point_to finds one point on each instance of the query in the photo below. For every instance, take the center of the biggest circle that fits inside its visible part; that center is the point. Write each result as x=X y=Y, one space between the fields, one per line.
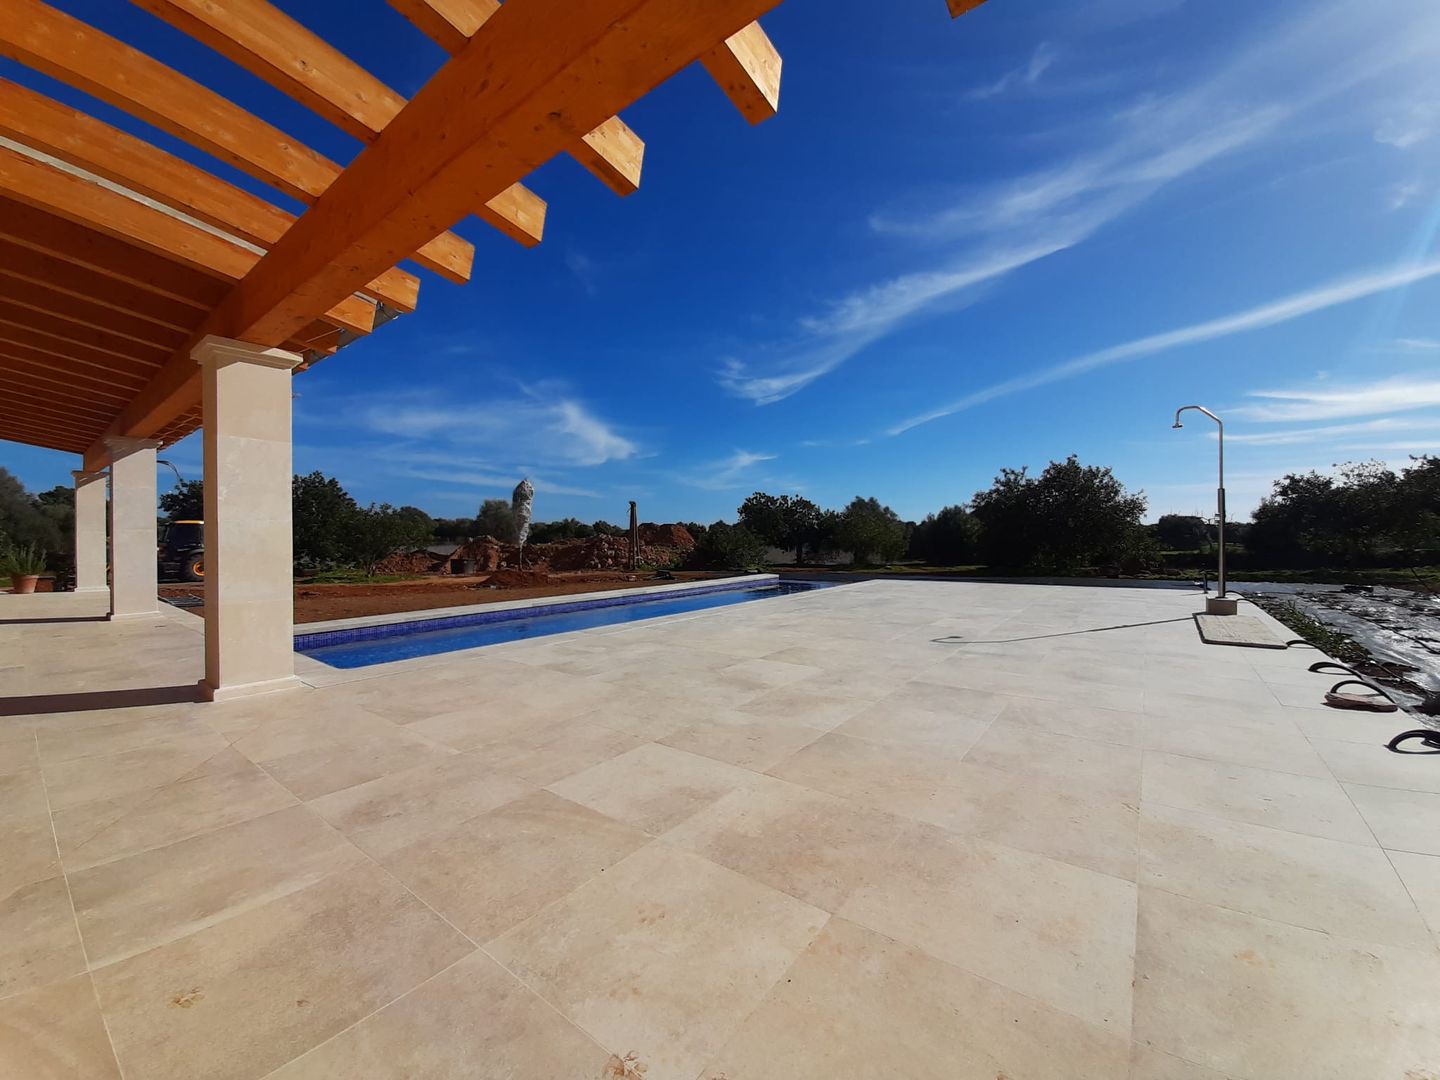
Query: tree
x=184 y=502
x=727 y=547
x=454 y=530
x=790 y=522
x=496 y=520
x=321 y=512
x=950 y=537
x=375 y=532
x=866 y=529
x=548 y=532
x=24 y=521
x=1182 y=532
x=1070 y=516
x=604 y=528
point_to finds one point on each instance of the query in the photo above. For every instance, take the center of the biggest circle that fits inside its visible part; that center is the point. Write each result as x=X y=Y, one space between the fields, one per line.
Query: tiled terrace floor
x=800 y=838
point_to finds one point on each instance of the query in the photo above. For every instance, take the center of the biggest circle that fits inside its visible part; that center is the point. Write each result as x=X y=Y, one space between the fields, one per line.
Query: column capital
x=80 y=476
x=219 y=352
x=123 y=447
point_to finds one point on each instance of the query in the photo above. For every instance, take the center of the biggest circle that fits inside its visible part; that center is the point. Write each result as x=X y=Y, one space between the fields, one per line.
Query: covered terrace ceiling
x=116 y=256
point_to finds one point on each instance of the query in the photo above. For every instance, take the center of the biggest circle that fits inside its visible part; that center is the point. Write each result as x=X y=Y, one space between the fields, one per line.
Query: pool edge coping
x=425 y=614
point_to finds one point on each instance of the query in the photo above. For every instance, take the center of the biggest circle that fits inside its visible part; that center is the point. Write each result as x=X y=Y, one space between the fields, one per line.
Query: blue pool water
x=402 y=641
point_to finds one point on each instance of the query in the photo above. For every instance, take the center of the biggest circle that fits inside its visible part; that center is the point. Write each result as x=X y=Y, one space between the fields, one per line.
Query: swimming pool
x=366 y=645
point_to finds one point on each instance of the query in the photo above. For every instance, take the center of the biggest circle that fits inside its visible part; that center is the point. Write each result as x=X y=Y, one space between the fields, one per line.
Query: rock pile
x=660 y=546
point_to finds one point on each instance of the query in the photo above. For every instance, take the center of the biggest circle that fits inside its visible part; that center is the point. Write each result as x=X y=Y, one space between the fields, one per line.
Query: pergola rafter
x=117 y=256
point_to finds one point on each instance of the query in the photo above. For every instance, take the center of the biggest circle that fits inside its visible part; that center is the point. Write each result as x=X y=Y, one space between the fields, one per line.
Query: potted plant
x=25 y=564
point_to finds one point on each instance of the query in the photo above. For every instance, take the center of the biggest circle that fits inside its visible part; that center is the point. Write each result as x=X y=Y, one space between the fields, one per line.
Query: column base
x=1216 y=605
x=92 y=589
x=244 y=690
x=129 y=616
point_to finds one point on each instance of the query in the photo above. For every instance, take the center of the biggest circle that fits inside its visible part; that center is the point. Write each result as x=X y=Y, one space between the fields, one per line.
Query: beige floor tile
x=887 y=721
x=811 y=703
x=224 y=790
x=133 y=904
x=1074 y=718
x=577 y=746
x=1102 y=768
x=1059 y=933
x=394 y=811
x=38 y=941
x=1347 y=725
x=1062 y=819
x=27 y=854
x=145 y=768
x=814 y=846
x=858 y=1004
x=473 y=1021
x=1402 y=820
x=902 y=778
x=1372 y=764
x=1150 y=1064
x=1312 y=805
x=1255 y=998
x=1261 y=716
x=663 y=956
x=481 y=725
x=17 y=751
x=352 y=759
x=768 y=673
x=1325 y=885
x=98 y=734
x=652 y=787
x=246 y=995
x=22 y=798
x=741 y=739
x=1421 y=875
x=55 y=1033
x=1281 y=751
x=501 y=867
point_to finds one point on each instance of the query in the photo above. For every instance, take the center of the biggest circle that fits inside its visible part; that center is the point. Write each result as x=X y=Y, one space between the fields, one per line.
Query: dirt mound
x=411 y=562
x=660 y=546
x=666 y=536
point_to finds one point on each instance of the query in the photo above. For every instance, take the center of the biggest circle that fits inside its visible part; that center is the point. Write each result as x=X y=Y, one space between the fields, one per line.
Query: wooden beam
x=38 y=402
x=65 y=241
x=51 y=42
x=40 y=322
x=544 y=73
x=77 y=199
x=747 y=68
x=87 y=313
x=74 y=362
x=266 y=42
x=51 y=438
x=96 y=388
x=63 y=353
x=960 y=7
x=71 y=279
x=108 y=152
x=612 y=152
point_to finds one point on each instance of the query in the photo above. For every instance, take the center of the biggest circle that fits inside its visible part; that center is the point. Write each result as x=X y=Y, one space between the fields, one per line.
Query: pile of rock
x=660 y=546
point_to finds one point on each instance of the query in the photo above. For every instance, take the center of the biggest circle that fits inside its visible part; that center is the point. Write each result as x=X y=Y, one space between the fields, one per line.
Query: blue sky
x=1030 y=232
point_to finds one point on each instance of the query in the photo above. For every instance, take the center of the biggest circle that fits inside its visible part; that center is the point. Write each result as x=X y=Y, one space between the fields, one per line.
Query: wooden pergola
x=132 y=280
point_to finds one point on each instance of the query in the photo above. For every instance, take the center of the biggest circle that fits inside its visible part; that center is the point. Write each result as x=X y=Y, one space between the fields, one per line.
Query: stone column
x=90 y=541
x=133 y=536
x=249 y=566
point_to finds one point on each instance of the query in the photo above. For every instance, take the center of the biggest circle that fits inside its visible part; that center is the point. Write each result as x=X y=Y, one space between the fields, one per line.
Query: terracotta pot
x=23 y=583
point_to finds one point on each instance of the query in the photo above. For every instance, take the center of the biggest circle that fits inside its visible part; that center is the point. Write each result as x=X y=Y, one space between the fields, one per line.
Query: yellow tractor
x=182 y=551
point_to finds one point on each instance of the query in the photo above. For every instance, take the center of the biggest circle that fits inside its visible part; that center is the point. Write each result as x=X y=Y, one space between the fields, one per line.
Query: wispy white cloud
x=1330 y=432
x=1133 y=152
x=1026 y=75
x=1410 y=125
x=1401 y=393
x=1417 y=345
x=542 y=424
x=494 y=482
x=1284 y=310
x=728 y=473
